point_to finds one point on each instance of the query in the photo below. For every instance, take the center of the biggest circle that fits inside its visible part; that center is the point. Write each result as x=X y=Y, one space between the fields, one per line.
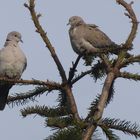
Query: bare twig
x=130 y=14
x=42 y=33
x=73 y=69
x=128 y=43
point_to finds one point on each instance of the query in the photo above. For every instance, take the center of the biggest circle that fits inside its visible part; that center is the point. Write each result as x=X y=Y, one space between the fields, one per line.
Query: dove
x=12 y=64
x=86 y=37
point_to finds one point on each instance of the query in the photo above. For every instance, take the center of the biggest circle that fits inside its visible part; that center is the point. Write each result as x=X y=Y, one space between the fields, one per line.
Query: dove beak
x=68 y=23
x=21 y=40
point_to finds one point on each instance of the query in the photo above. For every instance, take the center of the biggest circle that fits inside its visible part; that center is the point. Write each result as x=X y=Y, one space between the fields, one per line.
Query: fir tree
x=65 y=117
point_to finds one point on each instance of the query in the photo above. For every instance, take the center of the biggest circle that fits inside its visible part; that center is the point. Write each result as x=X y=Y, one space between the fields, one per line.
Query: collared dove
x=12 y=64
x=86 y=37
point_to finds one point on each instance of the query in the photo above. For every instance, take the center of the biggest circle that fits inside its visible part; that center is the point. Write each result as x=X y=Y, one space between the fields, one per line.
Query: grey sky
x=108 y=16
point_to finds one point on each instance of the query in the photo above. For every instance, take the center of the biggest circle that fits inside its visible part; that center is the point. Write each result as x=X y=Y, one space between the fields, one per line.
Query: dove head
x=14 y=36
x=75 y=21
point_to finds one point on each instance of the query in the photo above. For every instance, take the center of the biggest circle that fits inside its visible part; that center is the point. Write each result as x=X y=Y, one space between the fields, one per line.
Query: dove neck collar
x=11 y=43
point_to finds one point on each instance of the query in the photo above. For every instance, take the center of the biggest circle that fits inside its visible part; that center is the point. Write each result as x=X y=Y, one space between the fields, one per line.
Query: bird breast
x=12 y=62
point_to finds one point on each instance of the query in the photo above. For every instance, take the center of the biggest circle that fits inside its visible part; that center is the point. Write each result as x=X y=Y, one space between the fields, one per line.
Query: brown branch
x=104 y=95
x=71 y=102
x=111 y=75
x=134 y=59
x=49 y=84
x=131 y=60
x=130 y=14
x=100 y=107
x=131 y=37
x=129 y=76
x=42 y=33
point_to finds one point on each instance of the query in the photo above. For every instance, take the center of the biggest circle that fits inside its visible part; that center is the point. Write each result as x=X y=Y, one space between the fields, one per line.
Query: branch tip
x=26 y=5
x=36 y=31
x=39 y=15
x=126 y=14
x=131 y=3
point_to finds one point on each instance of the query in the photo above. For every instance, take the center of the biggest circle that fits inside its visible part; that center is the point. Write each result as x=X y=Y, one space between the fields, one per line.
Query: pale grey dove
x=86 y=37
x=12 y=64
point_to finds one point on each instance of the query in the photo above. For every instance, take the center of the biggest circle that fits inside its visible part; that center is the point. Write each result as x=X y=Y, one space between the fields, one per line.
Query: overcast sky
x=55 y=14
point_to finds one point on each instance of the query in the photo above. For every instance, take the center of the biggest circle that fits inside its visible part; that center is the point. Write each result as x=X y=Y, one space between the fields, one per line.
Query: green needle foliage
x=93 y=107
x=59 y=122
x=109 y=134
x=44 y=111
x=99 y=71
x=70 y=133
x=88 y=59
x=24 y=98
x=125 y=126
x=62 y=98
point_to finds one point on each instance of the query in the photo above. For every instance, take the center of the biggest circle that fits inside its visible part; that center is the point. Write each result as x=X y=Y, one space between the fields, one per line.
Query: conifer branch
x=49 y=84
x=98 y=71
x=109 y=133
x=100 y=106
x=125 y=126
x=23 y=98
x=129 y=76
x=131 y=60
x=59 y=122
x=69 y=133
x=66 y=88
x=43 y=111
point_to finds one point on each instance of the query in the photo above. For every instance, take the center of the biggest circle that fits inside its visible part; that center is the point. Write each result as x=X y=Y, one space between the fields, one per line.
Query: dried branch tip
x=126 y=14
x=132 y=2
x=36 y=31
x=26 y=5
x=39 y=15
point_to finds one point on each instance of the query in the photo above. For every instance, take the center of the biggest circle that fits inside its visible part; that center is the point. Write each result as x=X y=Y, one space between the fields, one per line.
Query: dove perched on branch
x=87 y=38
x=12 y=64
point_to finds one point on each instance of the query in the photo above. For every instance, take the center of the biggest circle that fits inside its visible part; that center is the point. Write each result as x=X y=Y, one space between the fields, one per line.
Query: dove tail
x=4 y=90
